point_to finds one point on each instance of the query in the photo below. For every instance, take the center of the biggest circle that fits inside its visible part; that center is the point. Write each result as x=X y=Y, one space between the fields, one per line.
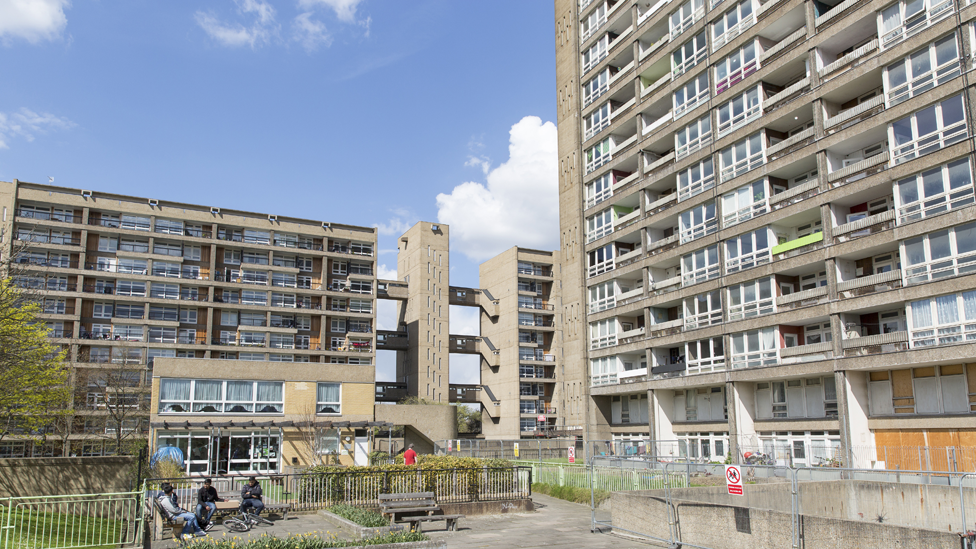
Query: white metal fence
x=71 y=521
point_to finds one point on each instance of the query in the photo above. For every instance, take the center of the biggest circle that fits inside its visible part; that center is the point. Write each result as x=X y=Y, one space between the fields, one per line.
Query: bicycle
x=245 y=521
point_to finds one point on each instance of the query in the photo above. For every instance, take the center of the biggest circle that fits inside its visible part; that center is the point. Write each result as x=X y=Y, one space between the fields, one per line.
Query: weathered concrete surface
x=66 y=475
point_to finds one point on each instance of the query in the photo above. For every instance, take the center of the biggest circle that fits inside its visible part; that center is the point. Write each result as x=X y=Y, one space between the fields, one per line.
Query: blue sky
x=352 y=111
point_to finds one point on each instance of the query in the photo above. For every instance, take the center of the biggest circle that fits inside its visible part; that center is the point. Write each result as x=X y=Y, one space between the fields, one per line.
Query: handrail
x=794 y=191
x=657 y=84
x=659 y=162
x=858 y=166
x=869 y=280
x=674 y=280
x=793 y=140
x=879 y=339
x=786 y=92
x=664 y=200
x=864 y=223
x=663 y=242
x=806 y=349
x=844 y=116
x=855 y=55
x=802 y=296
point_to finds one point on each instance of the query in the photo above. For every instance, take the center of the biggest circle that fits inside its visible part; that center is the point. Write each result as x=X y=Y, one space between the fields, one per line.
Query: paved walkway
x=554 y=524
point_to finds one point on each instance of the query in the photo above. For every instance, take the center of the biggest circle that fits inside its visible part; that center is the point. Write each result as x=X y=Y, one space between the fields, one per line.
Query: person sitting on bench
x=169 y=502
x=206 y=506
x=251 y=496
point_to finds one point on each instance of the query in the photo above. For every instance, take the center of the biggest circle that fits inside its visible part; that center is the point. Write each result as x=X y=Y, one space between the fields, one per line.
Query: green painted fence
x=610 y=479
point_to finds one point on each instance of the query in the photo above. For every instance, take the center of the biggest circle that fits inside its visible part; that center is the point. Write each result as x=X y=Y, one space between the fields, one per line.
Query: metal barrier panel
x=75 y=521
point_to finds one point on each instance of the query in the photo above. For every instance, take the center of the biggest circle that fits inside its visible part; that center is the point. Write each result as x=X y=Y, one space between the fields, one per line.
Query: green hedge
x=570 y=493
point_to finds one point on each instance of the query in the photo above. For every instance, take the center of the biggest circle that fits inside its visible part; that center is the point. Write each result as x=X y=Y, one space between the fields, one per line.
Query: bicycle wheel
x=258 y=519
x=236 y=525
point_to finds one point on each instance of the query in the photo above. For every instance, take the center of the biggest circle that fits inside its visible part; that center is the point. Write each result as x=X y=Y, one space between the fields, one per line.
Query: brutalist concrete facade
x=769 y=206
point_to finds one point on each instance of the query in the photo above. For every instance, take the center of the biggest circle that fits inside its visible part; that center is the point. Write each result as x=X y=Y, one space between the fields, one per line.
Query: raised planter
x=360 y=531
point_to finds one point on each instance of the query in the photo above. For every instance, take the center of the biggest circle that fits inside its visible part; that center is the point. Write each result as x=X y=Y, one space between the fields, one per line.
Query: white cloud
x=386 y=273
x=398 y=224
x=26 y=123
x=464 y=320
x=310 y=33
x=260 y=31
x=519 y=206
x=32 y=20
x=345 y=10
x=482 y=162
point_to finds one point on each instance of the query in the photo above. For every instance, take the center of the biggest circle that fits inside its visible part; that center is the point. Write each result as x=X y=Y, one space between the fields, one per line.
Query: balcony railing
x=870 y=284
x=785 y=94
x=781 y=46
x=802 y=298
x=687 y=22
x=744 y=214
x=932 y=142
x=666 y=285
x=805 y=353
x=663 y=245
x=936 y=204
x=693 y=322
x=854 y=58
x=791 y=143
x=662 y=329
x=795 y=194
x=859 y=170
x=698 y=231
x=955 y=265
x=648 y=128
x=745 y=165
x=662 y=203
x=659 y=163
x=732 y=32
x=756 y=359
x=864 y=227
x=853 y=115
x=881 y=343
x=752 y=309
x=747 y=261
x=690 y=62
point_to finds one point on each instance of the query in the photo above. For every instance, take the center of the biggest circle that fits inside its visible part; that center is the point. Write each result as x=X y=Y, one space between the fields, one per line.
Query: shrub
x=571 y=493
x=362 y=517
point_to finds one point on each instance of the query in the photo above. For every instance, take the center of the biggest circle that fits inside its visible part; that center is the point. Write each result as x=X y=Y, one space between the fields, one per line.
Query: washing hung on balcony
x=934 y=191
x=928 y=130
x=907 y=18
x=935 y=64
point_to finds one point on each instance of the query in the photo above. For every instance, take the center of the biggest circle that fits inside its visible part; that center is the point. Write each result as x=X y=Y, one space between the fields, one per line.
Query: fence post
x=562 y=475
x=592 y=501
x=795 y=502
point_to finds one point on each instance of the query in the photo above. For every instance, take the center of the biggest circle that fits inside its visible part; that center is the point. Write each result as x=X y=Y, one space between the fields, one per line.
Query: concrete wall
x=832 y=514
x=67 y=475
x=423 y=424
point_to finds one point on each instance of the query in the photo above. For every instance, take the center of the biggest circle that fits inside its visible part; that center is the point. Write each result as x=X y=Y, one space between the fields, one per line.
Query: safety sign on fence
x=733 y=479
x=516 y=449
x=572 y=454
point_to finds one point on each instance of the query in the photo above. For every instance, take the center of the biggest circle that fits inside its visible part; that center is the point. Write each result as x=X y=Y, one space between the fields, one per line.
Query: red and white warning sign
x=572 y=454
x=733 y=478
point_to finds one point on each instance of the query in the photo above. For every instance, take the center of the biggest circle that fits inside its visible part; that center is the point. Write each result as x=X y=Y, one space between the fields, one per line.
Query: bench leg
x=419 y=525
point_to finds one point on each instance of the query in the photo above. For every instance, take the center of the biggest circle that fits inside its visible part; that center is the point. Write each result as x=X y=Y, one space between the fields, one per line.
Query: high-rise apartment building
x=769 y=207
x=127 y=280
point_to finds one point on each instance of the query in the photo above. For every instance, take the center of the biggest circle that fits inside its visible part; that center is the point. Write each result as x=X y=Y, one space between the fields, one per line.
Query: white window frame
x=752 y=299
x=958 y=172
x=736 y=66
x=603 y=333
x=600 y=260
x=696 y=267
x=703 y=310
x=691 y=95
x=596 y=121
x=595 y=53
x=690 y=54
x=736 y=260
x=742 y=156
x=596 y=86
x=755 y=348
x=740 y=110
x=602 y=297
x=599 y=154
x=685 y=16
x=901 y=24
x=696 y=179
x=731 y=24
x=599 y=189
x=699 y=361
x=745 y=203
x=693 y=137
x=928 y=77
x=599 y=225
x=698 y=222
x=942 y=320
x=960 y=258
x=904 y=149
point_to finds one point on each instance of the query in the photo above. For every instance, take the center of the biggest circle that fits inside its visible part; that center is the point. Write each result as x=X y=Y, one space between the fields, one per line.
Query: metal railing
x=72 y=521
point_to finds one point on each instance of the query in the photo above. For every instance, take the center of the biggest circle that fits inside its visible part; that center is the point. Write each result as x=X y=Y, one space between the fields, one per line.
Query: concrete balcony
x=391 y=289
x=388 y=340
x=473 y=297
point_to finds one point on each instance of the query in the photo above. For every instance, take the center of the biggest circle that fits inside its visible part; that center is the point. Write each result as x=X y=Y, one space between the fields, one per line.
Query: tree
x=311 y=445
x=116 y=396
x=33 y=376
x=468 y=419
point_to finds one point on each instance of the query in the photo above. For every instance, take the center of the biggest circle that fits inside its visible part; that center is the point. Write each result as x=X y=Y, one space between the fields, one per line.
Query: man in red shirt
x=410 y=457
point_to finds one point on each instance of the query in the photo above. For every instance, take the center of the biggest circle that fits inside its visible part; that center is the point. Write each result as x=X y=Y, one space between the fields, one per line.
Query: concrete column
x=731 y=399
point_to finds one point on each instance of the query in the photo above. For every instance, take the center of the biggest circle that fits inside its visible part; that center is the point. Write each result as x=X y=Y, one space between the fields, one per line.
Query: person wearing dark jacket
x=206 y=500
x=251 y=496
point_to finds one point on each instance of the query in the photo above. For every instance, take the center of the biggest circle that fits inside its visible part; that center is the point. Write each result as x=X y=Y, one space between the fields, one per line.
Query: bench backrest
x=159 y=509
x=415 y=499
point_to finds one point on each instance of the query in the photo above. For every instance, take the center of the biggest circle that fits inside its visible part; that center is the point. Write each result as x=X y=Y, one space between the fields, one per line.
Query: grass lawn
x=49 y=530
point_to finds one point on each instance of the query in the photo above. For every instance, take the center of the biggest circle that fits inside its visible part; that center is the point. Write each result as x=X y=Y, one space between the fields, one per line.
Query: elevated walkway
x=390 y=340
x=473 y=297
x=391 y=289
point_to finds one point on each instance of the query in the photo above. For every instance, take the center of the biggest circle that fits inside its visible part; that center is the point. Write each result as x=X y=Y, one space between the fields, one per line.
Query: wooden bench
x=416 y=502
x=175 y=523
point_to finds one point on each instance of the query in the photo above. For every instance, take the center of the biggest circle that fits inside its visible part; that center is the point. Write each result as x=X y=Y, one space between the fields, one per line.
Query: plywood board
x=901 y=384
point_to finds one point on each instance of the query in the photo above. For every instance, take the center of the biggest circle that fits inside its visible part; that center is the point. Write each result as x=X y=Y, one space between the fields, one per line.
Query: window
x=742 y=156
x=338 y=326
x=732 y=23
x=744 y=203
x=599 y=225
x=909 y=17
x=171 y=270
x=252 y=236
x=192 y=253
x=817 y=333
x=947 y=187
x=286 y=280
x=252 y=339
x=690 y=54
x=360 y=268
x=255 y=258
x=599 y=190
x=705 y=355
x=252 y=297
x=943 y=320
x=754 y=348
x=129 y=287
x=232 y=257
x=813 y=280
x=305 y=264
x=303 y=322
x=360 y=306
x=699 y=266
x=600 y=260
x=169 y=226
x=188 y=316
x=596 y=121
x=127 y=332
x=692 y=94
x=739 y=111
x=164 y=291
x=216 y=396
x=159 y=334
x=598 y=155
x=603 y=333
x=698 y=222
x=191 y=272
x=736 y=67
x=696 y=179
x=329 y=400
x=135 y=222
x=157 y=312
x=747 y=250
x=686 y=16
x=941 y=254
x=282 y=341
x=928 y=130
x=133 y=245
x=361 y=248
x=797 y=398
x=228 y=318
x=361 y=286
x=751 y=299
x=601 y=297
x=593 y=21
x=703 y=310
x=921 y=71
x=595 y=53
x=693 y=137
x=107 y=244
x=596 y=86
x=133 y=266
